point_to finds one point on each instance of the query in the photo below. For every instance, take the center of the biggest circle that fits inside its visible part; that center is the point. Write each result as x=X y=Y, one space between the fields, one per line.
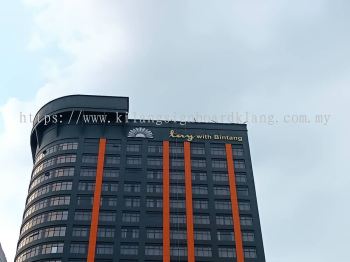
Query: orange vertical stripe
x=234 y=203
x=189 y=208
x=97 y=200
x=166 y=203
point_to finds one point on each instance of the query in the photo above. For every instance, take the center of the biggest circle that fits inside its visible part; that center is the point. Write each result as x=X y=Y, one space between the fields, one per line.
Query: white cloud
x=178 y=56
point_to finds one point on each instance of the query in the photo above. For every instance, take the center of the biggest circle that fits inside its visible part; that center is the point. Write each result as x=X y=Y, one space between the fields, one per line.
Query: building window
x=177 y=189
x=154 y=188
x=130 y=148
x=220 y=177
x=155 y=149
x=218 y=151
x=47 y=202
x=178 y=234
x=105 y=232
x=237 y=152
x=176 y=149
x=227 y=252
x=225 y=235
x=41 y=218
x=128 y=232
x=246 y=221
x=239 y=164
x=89 y=159
x=202 y=251
x=177 y=203
x=153 y=250
x=177 y=218
x=61 y=172
x=113 y=146
x=53 y=248
x=109 y=201
x=178 y=251
x=200 y=204
x=55 y=232
x=134 y=161
x=250 y=252
x=154 y=161
x=199 y=163
x=154 y=233
x=200 y=190
x=197 y=149
x=244 y=206
x=154 y=202
x=177 y=162
x=84 y=172
x=242 y=191
x=80 y=232
x=132 y=187
x=59 y=186
x=177 y=175
x=128 y=249
x=104 y=249
x=55 y=148
x=111 y=173
x=131 y=217
x=218 y=163
x=223 y=204
x=132 y=202
x=199 y=176
x=66 y=159
x=78 y=248
x=202 y=235
x=248 y=236
x=112 y=160
x=107 y=217
x=241 y=178
x=86 y=186
x=224 y=220
x=221 y=191
x=201 y=219
x=155 y=174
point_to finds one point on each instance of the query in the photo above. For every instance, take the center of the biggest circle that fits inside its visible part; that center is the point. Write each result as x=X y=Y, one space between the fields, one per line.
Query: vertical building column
x=234 y=204
x=189 y=207
x=96 y=201
x=166 y=202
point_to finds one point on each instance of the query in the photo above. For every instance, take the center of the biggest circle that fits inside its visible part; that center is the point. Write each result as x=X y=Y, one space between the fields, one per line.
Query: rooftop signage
x=190 y=137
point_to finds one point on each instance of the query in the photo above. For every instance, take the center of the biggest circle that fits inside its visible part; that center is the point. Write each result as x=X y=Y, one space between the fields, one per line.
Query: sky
x=286 y=60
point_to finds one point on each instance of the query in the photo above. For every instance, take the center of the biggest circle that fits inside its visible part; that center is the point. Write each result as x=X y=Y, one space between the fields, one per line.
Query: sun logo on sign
x=140 y=132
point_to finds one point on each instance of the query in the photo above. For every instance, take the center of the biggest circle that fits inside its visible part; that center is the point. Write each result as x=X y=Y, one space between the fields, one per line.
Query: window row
x=60 y=172
x=50 y=248
x=217 y=150
x=47 y=202
x=59 y=186
x=109 y=159
x=196 y=176
x=102 y=232
x=107 y=173
x=42 y=233
x=56 y=148
x=53 y=161
x=60 y=215
x=104 y=201
x=90 y=186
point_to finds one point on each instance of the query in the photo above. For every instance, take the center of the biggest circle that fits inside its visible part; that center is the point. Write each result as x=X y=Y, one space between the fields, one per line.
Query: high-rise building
x=107 y=188
x=2 y=255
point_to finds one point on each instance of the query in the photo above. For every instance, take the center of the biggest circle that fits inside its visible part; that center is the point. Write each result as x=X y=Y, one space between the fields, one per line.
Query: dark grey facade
x=107 y=188
x=2 y=255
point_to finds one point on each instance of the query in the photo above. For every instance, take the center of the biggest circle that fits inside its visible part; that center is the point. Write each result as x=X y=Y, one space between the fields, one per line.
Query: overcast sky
x=273 y=57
